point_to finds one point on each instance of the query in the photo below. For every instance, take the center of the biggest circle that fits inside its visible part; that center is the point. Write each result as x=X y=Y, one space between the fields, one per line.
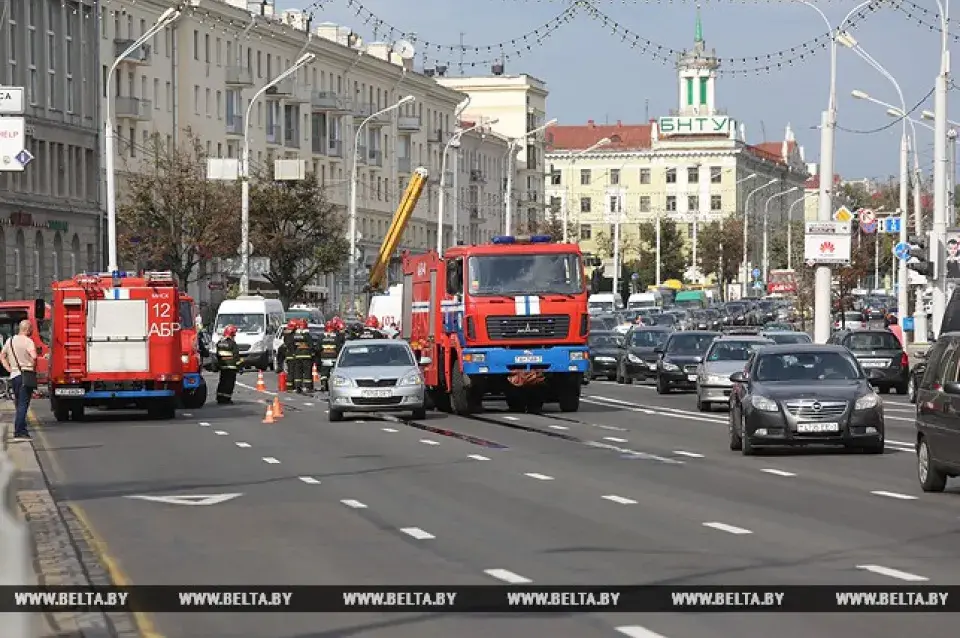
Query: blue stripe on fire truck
x=116 y=293
x=527 y=305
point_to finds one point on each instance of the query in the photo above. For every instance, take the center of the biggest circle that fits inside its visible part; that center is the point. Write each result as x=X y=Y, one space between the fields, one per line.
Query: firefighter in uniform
x=330 y=344
x=287 y=352
x=371 y=329
x=303 y=358
x=228 y=360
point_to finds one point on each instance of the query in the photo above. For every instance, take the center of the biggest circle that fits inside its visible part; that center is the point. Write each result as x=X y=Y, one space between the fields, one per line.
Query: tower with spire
x=697 y=73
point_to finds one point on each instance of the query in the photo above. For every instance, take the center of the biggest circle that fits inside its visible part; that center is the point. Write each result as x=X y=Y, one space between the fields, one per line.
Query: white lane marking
x=204 y=424
x=558 y=427
x=902 y=497
x=417 y=533
x=893 y=573
x=357 y=505
x=242 y=444
x=903 y=443
x=620 y=499
x=692 y=455
x=507 y=576
x=429 y=442
x=360 y=421
x=510 y=418
x=221 y=432
x=636 y=631
x=730 y=529
x=270 y=460
x=770 y=470
x=186 y=414
x=250 y=387
x=477 y=457
x=633 y=453
x=390 y=430
x=309 y=480
x=658 y=412
x=539 y=477
x=307 y=403
x=900 y=418
x=614 y=439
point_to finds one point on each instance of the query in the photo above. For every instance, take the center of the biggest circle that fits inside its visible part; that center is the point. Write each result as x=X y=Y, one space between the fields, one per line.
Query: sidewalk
x=63 y=553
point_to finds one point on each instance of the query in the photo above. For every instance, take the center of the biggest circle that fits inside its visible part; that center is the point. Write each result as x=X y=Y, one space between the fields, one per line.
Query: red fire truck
x=37 y=312
x=191 y=356
x=116 y=342
x=507 y=318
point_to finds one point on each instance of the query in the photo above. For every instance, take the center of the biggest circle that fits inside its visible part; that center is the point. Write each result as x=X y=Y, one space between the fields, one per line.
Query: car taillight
x=904 y=360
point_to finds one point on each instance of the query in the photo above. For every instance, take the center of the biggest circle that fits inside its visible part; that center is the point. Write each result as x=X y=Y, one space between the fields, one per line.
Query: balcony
x=362 y=154
x=437 y=136
x=334 y=148
x=408 y=124
x=140 y=55
x=375 y=157
x=132 y=108
x=363 y=111
x=274 y=133
x=239 y=76
x=329 y=101
x=282 y=90
x=404 y=165
x=476 y=177
x=235 y=125
x=291 y=138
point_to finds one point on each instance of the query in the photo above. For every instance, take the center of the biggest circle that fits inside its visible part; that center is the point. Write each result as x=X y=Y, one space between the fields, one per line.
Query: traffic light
x=919 y=260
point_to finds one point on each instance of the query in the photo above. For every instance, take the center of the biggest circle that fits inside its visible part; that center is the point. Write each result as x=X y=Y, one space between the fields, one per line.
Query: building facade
x=475 y=181
x=50 y=221
x=518 y=103
x=693 y=166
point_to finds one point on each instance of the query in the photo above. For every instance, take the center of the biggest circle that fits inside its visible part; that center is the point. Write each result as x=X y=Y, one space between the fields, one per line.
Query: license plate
x=691 y=377
x=808 y=428
x=532 y=359
x=874 y=363
x=69 y=392
x=376 y=394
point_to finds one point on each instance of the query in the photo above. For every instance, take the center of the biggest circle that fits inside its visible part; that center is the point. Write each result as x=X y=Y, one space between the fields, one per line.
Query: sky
x=593 y=71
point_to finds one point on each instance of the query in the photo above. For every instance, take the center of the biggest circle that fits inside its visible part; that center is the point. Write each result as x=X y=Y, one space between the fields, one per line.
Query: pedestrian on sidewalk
x=19 y=358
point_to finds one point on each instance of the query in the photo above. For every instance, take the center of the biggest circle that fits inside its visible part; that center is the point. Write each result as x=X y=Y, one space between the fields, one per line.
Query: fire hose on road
x=15 y=553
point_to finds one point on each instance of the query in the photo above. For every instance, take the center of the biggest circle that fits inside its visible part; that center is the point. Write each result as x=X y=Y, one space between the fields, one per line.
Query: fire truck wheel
x=460 y=393
x=419 y=414
x=61 y=411
x=440 y=400
x=162 y=409
x=570 y=401
x=195 y=398
x=516 y=403
x=534 y=405
x=76 y=412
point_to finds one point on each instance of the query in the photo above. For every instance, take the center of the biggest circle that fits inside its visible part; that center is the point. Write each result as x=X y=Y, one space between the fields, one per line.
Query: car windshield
x=556 y=273
x=736 y=308
x=248 y=323
x=807 y=366
x=789 y=337
x=873 y=341
x=604 y=341
x=602 y=323
x=647 y=338
x=690 y=344
x=732 y=350
x=665 y=319
x=375 y=355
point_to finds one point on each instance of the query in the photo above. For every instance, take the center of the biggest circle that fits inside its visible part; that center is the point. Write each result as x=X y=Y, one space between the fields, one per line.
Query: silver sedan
x=376 y=375
x=725 y=356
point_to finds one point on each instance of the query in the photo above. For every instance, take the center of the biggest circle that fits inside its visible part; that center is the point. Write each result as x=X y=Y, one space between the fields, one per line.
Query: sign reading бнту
x=695 y=125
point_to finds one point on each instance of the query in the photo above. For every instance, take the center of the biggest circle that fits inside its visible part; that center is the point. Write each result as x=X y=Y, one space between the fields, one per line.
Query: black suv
x=680 y=357
x=880 y=354
x=938 y=415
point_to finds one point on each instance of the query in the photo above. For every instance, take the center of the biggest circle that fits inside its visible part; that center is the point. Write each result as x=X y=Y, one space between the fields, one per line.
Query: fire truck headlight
x=340 y=382
x=184 y=359
x=578 y=355
x=412 y=379
x=475 y=357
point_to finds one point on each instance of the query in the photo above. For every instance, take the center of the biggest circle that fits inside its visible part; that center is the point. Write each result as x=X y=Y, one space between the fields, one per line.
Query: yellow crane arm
x=378 y=273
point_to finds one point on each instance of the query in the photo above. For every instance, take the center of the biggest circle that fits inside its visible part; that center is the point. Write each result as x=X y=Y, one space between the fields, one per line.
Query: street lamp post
x=723 y=292
x=940 y=167
x=441 y=190
x=512 y=149
x=790 y=228
x=352 y=274
x=573 y=160
x=952 y=159
x=766 y=225
x=746 y=235
x=245 y=172
x=167 y=18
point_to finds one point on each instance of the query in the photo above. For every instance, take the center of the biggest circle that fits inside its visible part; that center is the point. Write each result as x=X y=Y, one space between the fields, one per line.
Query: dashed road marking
x=510 y=418
x=558 y=427
x=893 y=573
x=221 y=432
x=507 y=576
x=357 y=505
x=429 y=442
x=417 y=533
x=307 y=403
x=770 y=470
x=539 y=477
x=390 y=430
x=360 y=421
x=270 y=460
x=204 y=424
x=620 y=499
x=730 y=529
x=636 y=631
x=309 y=480
x=692 y=455
x=614 y=439
x=186 y=415
x=242 y=444
x=477 y=457
x=897 y=495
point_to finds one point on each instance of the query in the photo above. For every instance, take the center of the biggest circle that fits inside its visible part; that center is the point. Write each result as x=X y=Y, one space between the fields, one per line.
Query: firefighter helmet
x=372 y=322
x=230 y=331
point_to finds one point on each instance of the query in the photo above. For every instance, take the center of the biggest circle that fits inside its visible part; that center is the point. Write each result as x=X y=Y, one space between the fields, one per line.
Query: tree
x=294 y=226
x=673 y=253
x=553 y=226
x=605 y=244
x=172 y=217
x=721 y=249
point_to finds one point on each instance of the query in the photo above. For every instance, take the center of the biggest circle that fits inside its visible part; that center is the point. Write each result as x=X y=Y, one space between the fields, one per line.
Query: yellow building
x=693 y=166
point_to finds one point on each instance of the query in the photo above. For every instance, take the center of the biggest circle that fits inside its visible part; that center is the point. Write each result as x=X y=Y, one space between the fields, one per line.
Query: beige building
x=693 y=166
x=201 y=72
x=519 y=104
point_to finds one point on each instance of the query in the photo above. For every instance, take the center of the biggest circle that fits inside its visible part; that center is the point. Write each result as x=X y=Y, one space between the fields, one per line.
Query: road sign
x=24 y=157
x=757 y=285
x=868 y=228
x=890 y=225
x=189 y=499
x=11 y=100
x=867 y=216
x=843 y=214
x=827 y=242
x=12 y=142
x=756 y=273
x=902 y=251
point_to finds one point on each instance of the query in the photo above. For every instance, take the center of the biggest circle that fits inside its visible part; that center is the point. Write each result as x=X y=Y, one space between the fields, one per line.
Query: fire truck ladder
x=75 y=331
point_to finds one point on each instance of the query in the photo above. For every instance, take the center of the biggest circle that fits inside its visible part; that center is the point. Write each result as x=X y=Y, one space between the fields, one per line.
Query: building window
x=689 y=89
x=554 y=177
x=644 y=203
x=671 y=176
x=693 y=174
x=693 y=203
x=584 y=204
x=671 y=203
x=615 y=204
x=586 y=231
x=703 y=91
x=196 y=45
x=716 y=174
x=644 y=175
x=555 y=203
x=584 y=176
x=716 y=202
x=615 y=176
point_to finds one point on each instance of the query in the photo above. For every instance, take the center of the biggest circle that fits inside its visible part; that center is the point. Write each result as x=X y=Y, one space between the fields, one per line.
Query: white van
x=640 y=300
x=257 y=320
x=604 y=302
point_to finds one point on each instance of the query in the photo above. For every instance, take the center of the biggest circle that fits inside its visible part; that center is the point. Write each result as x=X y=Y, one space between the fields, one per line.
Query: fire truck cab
x=37 y=312
x=191 y=357
x=507 y=318
x=116 y=343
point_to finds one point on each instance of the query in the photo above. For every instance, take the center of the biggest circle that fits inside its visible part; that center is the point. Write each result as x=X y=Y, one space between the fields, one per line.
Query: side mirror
x=738 y=377
x=425 y=361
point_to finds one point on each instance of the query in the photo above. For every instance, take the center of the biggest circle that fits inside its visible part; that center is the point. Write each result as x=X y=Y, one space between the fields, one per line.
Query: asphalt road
x=636 y=488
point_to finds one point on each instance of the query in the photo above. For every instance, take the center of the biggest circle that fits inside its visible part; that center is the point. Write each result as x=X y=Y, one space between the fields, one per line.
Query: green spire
x=698 y=34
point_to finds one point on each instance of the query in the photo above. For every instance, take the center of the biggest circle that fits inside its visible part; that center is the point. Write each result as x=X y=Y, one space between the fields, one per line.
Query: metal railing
x=15 y=550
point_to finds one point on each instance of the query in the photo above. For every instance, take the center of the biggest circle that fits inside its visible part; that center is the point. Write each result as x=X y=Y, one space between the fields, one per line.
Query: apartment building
x=475 y=180
x=518 y=103
x=50 y=222
x=202 y=72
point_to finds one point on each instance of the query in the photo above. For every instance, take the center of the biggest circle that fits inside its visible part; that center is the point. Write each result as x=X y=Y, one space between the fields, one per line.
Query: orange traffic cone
x=261 y=386
x=277 y=408
x=268 y=417
x=316 y=375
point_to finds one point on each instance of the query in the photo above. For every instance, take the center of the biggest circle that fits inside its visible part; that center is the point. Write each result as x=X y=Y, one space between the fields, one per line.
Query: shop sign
x=695 y=125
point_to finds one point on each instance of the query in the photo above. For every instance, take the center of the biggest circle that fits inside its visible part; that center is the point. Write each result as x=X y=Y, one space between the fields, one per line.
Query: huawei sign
x=827 y=247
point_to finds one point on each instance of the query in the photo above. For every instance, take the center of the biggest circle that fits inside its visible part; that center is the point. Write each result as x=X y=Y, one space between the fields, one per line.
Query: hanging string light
x=925 y=18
